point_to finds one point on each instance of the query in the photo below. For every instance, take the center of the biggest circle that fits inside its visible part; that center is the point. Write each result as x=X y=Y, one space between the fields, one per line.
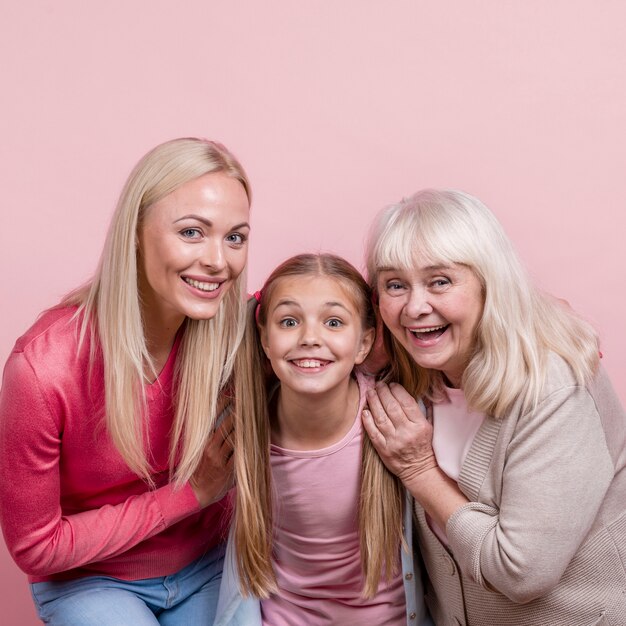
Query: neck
x=314 y=421
x=159 y=333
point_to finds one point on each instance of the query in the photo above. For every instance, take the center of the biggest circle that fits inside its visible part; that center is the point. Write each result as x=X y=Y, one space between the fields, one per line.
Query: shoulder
x=561 y=396
x=50 y=345
x=55 y=322
x=365 y=381
x=558 y=376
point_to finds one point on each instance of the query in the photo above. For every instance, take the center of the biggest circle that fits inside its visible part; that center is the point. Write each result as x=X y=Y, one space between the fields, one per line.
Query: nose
x=213 y=255
x=418 y=303
x=309 y=334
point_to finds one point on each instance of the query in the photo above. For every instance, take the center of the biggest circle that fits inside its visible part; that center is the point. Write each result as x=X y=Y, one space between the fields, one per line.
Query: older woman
x=111 y=463
x=518 y=466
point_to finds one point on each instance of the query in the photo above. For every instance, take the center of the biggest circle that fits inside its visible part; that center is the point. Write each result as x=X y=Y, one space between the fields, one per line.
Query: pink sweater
x=69 y=505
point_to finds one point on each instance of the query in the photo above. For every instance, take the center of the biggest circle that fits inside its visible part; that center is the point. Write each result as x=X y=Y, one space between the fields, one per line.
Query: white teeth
x=308 y=363
x=427 y=330
x=201 y=286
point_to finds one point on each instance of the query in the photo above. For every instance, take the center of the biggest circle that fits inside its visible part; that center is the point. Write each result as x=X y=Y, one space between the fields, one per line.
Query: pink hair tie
x=257 y=296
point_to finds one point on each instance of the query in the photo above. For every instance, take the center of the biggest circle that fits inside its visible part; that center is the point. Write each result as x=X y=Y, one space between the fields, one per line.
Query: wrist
x=419 y=472
x=437 y=494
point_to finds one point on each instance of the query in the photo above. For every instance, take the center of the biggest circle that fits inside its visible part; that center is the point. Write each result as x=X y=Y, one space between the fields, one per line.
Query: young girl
x=318 y=528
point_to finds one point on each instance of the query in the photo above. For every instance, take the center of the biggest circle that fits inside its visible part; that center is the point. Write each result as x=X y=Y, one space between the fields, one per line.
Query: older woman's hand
x=402 y=437
x=399 y=431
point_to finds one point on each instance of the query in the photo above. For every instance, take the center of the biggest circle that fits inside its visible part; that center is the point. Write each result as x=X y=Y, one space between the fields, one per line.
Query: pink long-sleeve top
x=69 y=505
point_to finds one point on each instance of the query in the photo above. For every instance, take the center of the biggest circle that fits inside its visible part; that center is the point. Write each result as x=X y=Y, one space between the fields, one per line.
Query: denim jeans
x=186 y=598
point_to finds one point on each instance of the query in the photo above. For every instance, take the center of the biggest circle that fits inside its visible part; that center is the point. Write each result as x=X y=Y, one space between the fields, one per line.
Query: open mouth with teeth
x=429 y=334
x=202 y=286
x=309 y=363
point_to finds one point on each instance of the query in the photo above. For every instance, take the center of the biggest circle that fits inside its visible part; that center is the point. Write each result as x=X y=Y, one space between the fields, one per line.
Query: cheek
x=149 y=265
x=237 y=262
x=390 y=312
x=469 y=313
x=162 y=253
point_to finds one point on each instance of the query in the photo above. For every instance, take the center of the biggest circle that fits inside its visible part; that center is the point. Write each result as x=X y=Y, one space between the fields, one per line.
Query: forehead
x=312 y=291
x=215 y=196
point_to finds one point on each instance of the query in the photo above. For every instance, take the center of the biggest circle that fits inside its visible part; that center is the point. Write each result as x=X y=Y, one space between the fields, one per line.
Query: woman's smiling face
x=433 y=311
x=192 y=247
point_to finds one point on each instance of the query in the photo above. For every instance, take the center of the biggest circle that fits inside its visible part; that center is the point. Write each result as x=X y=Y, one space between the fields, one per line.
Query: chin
x=203 y=314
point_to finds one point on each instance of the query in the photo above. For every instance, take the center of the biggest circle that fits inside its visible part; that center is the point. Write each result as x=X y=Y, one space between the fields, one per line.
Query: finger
x=391 y=406
x=227 y=427
x=228 y=443
x=230 y=460
x=407 y=402
x=376 y=437
x=379 y=414
x=224 y=410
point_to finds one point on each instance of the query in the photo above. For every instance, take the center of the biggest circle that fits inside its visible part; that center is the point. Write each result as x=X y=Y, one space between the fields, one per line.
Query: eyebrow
x=329 y=304
x=209 y=223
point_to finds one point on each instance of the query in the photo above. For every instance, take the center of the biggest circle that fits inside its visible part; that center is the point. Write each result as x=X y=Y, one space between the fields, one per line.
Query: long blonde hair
x=520 y=325
x=111 y=312
x=380 y=505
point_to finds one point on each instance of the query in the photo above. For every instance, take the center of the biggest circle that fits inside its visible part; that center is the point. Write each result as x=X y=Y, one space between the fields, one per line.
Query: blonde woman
x=518 y=466
x=112 y=463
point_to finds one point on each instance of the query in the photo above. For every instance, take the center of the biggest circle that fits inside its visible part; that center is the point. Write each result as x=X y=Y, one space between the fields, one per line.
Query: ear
x=367 y=341
x=264 y=342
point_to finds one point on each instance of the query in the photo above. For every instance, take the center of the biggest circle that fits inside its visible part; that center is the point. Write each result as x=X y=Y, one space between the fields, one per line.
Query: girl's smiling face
x=314 y=335
x=433 y=311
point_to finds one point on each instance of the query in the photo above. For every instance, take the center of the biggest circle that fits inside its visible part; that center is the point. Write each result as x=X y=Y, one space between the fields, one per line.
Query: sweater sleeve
x=557 y=471
x=41 y=539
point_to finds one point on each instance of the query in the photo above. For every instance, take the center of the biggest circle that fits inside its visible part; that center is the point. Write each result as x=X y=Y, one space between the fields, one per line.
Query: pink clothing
x=69 y=505
x=454 y=429
x=316 y=544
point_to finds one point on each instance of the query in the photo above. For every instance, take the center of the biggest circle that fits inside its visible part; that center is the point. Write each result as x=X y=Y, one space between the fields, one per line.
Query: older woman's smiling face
x=433 y=311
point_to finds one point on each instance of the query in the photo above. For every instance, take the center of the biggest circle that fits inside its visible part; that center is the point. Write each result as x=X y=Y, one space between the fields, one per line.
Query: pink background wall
x=335 y=109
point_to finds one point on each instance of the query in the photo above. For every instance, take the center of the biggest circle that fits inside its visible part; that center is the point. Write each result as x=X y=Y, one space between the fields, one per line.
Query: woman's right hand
x=214 y=476
x=399 y=431
x=402 y=437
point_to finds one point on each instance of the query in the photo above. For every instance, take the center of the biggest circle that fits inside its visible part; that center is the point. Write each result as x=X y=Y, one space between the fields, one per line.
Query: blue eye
x=236 y=238
x=191 y=233
x=334 y=323
x=440 y=282
x=288 y=322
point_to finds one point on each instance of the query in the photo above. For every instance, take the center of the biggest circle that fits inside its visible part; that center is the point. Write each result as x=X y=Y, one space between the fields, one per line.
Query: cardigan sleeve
x=556 y=473
x=41 y=539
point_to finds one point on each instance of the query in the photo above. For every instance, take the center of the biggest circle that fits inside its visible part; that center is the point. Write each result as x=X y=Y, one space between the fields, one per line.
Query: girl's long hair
x=380 y=505
x=520 y=325
x=111 y=313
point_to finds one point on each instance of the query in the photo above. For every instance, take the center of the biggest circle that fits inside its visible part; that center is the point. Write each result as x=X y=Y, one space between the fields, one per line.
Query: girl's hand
x=215 y=474
x=399 y=431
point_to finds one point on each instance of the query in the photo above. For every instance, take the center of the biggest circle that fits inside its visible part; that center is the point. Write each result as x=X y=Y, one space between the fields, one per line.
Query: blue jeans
x=188 y=597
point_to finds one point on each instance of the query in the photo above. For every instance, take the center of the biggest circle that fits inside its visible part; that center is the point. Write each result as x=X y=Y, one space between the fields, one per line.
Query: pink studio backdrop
x=336 y=109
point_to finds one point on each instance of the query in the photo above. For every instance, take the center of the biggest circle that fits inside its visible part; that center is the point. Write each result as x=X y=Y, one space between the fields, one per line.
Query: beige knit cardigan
x=542 y=541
